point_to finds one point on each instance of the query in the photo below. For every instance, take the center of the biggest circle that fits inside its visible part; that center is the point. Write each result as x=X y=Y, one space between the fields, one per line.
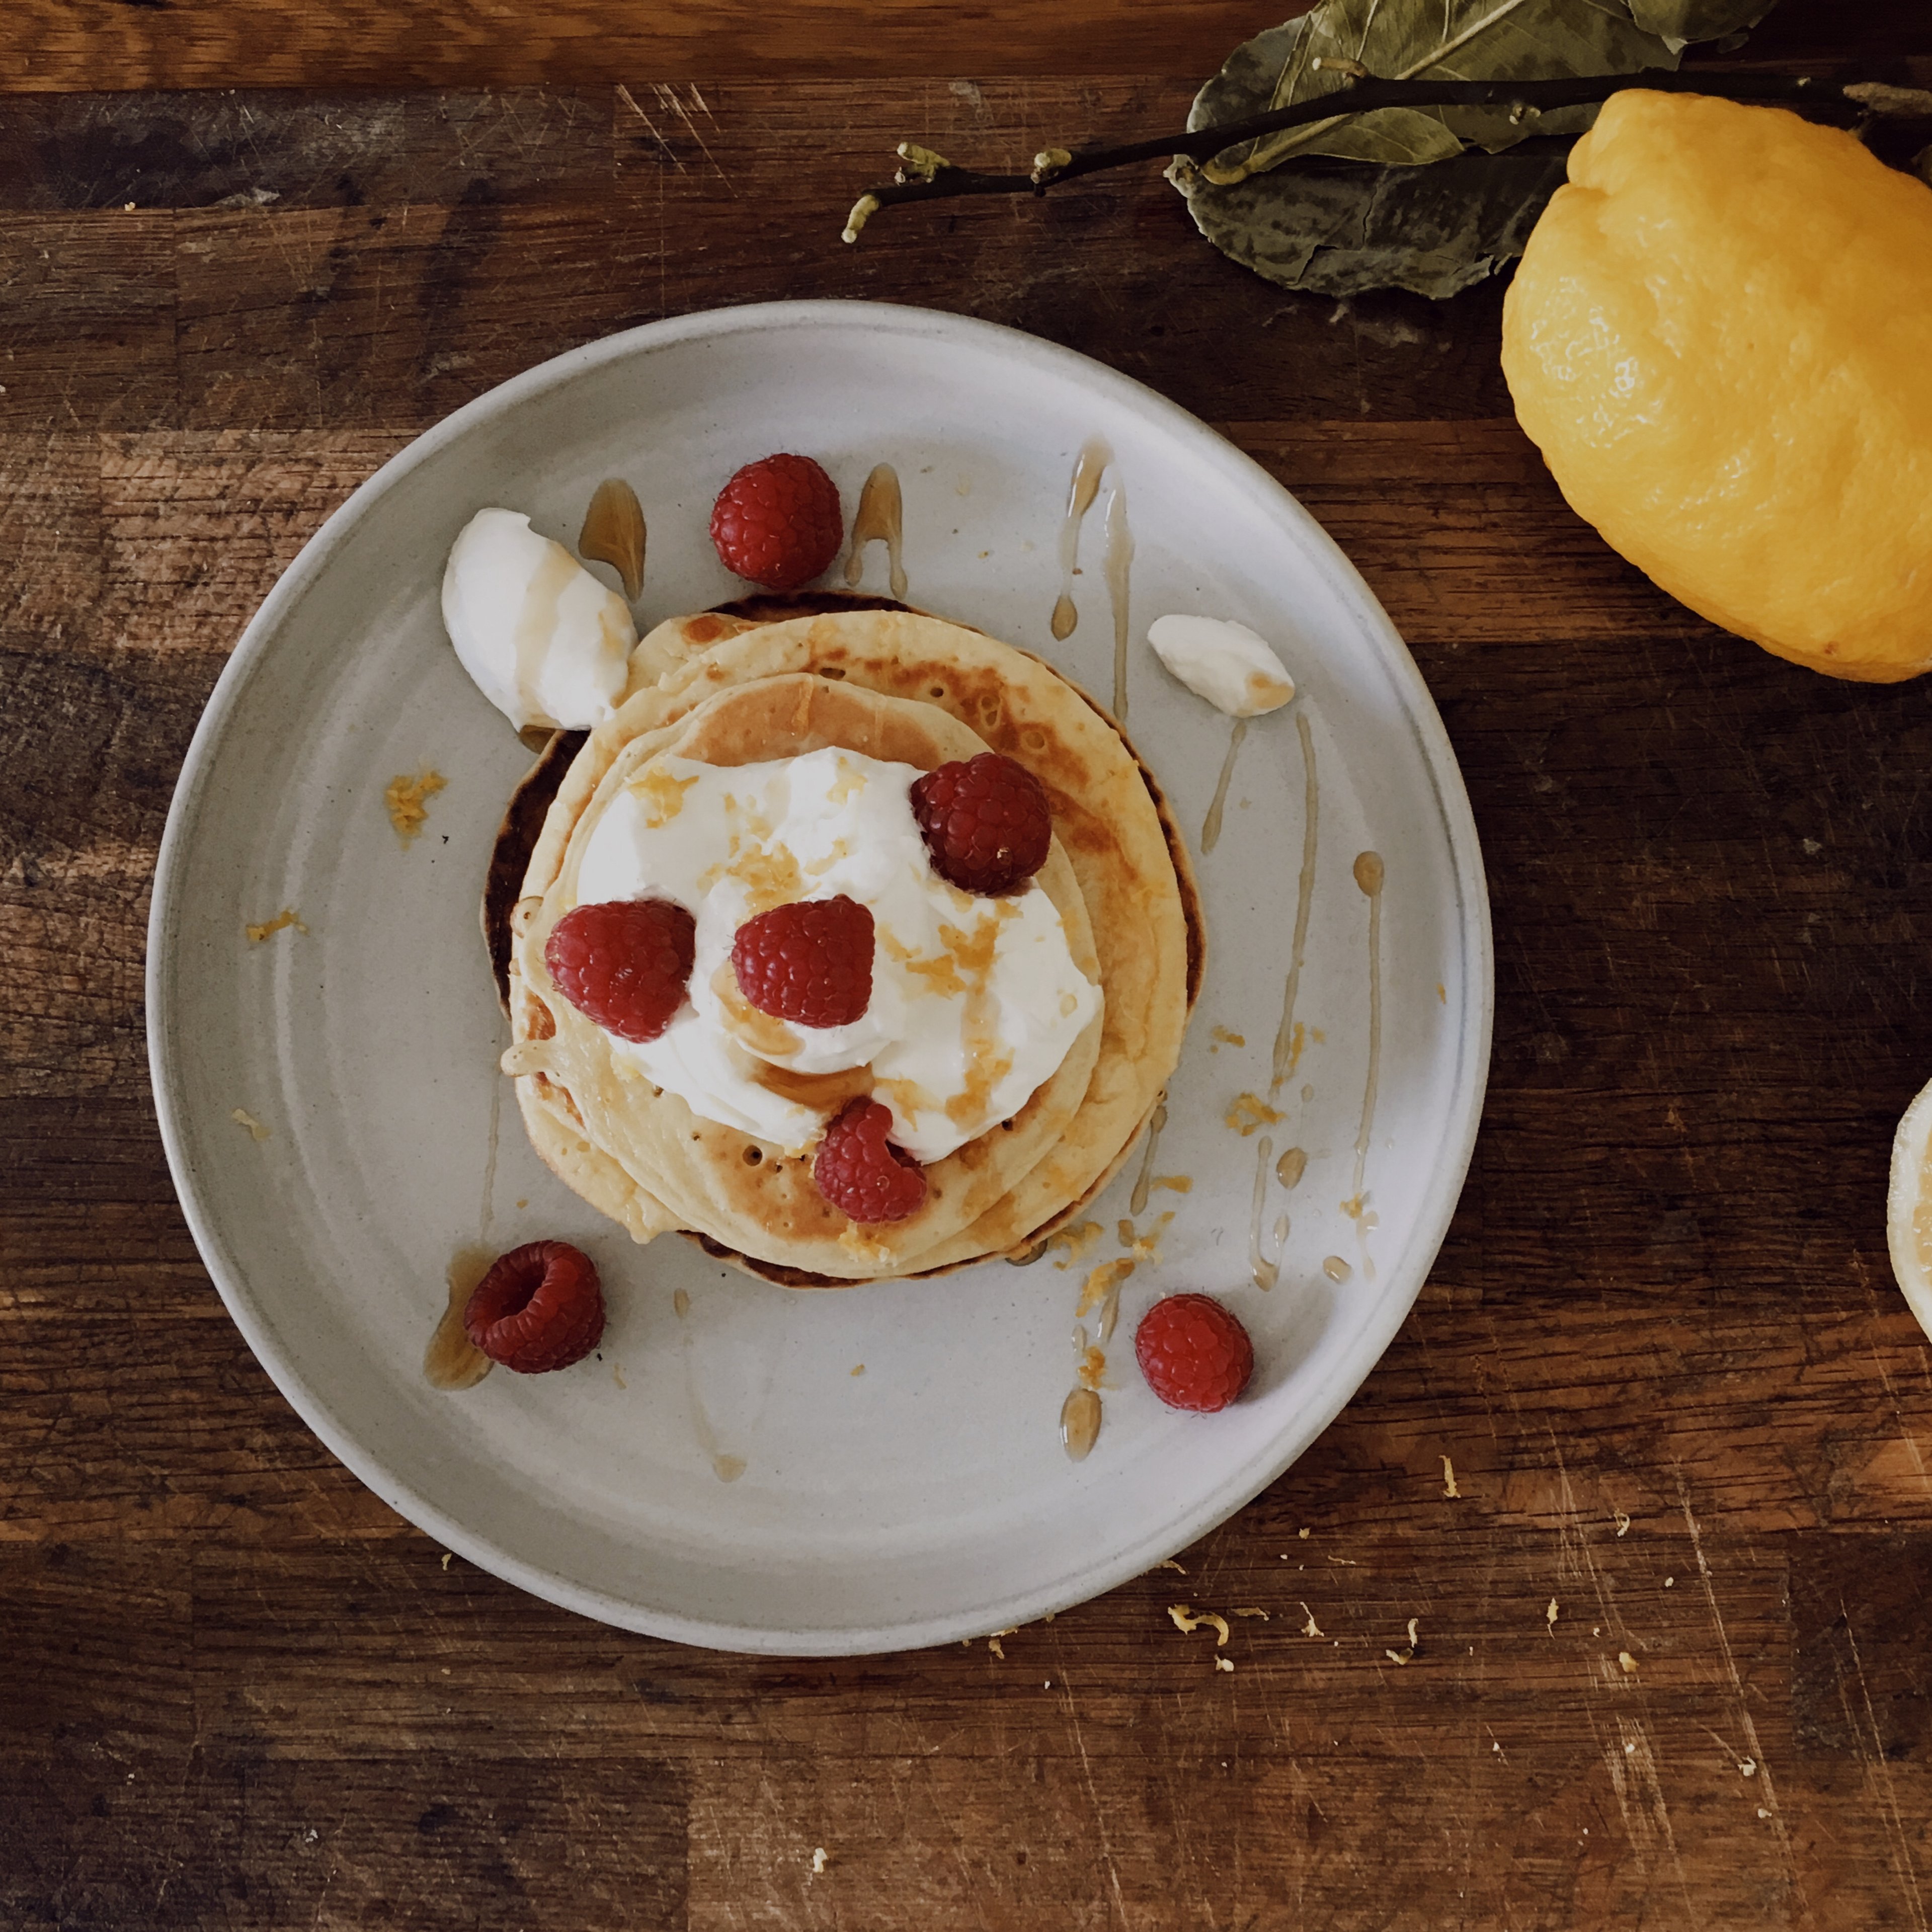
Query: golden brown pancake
x=746 y=684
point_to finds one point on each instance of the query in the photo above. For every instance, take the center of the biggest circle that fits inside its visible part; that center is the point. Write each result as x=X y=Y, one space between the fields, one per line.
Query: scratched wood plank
x=274 y=313
x=1105 y=1748
x=1862 y=1701
x=255 y=149
x=53 y=47
x=64 y=45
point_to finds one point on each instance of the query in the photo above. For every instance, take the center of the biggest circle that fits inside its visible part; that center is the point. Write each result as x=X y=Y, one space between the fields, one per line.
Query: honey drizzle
x=1079 y=1424
x=614 y=533
x=880 y=516
x=1143 y=1181
x=1119 y=565
x=1369 y=875
x=1264 y=1273
x=1211 y=829
x=726 y=1468
x=489 y=1210
x=1088 y=467
x=1303 y=903
x=451 y=1361
x=1080 y=1413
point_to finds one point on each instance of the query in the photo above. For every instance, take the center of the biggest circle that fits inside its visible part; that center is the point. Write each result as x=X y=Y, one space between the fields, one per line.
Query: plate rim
x=1448 y=1173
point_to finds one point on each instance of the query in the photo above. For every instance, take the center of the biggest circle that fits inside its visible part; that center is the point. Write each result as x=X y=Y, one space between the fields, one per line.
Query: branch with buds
x=923 y=175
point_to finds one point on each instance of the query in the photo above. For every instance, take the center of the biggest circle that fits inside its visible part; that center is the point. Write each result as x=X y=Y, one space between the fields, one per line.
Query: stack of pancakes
x=771 y=678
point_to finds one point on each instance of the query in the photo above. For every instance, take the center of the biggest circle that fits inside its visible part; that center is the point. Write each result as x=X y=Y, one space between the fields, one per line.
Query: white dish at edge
x=927 y=1499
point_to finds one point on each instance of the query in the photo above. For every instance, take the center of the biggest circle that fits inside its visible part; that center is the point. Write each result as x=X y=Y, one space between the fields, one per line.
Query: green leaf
x=1339 y=228
x=1435 y=39
x=1682 y=20
x=1401 y=202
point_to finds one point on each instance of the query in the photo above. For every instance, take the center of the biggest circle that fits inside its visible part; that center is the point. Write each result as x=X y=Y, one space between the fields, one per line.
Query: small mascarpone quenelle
x=546 y=642
x=1231 y=666
x=975 y=1001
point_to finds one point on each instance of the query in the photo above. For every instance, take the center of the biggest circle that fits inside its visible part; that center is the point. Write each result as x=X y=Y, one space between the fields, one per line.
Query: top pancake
x=894 y=685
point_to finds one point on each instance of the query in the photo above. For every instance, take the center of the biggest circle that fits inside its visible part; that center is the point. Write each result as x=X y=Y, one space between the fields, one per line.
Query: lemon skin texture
x=1720 y=338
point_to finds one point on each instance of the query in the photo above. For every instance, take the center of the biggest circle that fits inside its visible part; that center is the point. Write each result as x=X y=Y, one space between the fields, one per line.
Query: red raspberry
x=1193 y=1352
x=539 y=1307
x=986 y=821
x=810 y=961
x=860 y=1172
x=778 y=522
x=624 y=963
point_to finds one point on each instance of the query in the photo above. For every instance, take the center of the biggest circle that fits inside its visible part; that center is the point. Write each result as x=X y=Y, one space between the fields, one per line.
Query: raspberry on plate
x=986 y=822
x=540 y=1307
x=1194 y=1353
x=624 y=964
x=810 y=962
x=860 y=1172
x=778 y=522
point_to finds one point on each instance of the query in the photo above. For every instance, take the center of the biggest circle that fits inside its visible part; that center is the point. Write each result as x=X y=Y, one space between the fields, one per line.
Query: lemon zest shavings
x=406 y=800
x=1187 y=1620
x=288 y=916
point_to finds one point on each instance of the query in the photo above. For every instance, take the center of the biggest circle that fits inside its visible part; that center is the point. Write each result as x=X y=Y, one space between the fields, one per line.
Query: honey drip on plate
x=1211 y=829
x=1336 y=1268
x=1120 y=564
x=614 y=533
x=1080 y=1423
x=726 y=1468
x=1264 y=1273
x=1080 y=1413
x=1368 y=877
x=1304 y=901
x=880 y=516
x=1087 y=469
x=1292 y=1166
x=450 y=1361
x=1103 y=1290
x=1143 y=1181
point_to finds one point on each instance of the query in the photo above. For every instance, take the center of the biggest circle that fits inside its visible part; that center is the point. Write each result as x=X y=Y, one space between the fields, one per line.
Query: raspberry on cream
x=548 y=644
x=1235 y=668
x=974 y=1002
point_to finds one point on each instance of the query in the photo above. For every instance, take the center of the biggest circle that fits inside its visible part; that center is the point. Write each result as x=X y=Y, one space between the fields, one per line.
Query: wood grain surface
x=1685 y=1402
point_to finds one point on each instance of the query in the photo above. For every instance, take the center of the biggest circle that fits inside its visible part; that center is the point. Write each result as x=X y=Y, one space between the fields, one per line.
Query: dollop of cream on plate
x=548 y=643
x=1235 y=668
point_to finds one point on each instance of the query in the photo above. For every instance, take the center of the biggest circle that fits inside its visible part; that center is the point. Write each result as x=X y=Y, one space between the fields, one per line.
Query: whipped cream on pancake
x=1231 y=666
x=546 y=642
x=975 y=1001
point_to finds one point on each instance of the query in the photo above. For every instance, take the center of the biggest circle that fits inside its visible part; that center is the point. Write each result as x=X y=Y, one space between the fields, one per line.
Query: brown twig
x=924 y=175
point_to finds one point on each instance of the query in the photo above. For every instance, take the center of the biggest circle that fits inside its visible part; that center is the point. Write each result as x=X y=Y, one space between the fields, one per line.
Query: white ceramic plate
x=929 y=1497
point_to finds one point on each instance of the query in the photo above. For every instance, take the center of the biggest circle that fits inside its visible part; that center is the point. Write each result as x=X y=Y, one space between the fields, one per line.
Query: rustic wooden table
x=1685 y=1401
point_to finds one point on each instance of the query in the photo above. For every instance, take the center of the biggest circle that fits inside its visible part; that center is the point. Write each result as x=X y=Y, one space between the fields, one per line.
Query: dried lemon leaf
x=1696 y=19
x=1442 y=39
x=1337 y=228
x=1398 y=203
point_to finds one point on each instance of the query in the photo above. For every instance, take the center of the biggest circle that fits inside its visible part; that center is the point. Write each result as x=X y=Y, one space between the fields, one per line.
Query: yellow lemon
x=1908 y=1208
x=1721 y=338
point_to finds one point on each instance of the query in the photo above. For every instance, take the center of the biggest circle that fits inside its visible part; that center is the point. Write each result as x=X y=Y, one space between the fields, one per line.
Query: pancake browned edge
x=529 y=804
